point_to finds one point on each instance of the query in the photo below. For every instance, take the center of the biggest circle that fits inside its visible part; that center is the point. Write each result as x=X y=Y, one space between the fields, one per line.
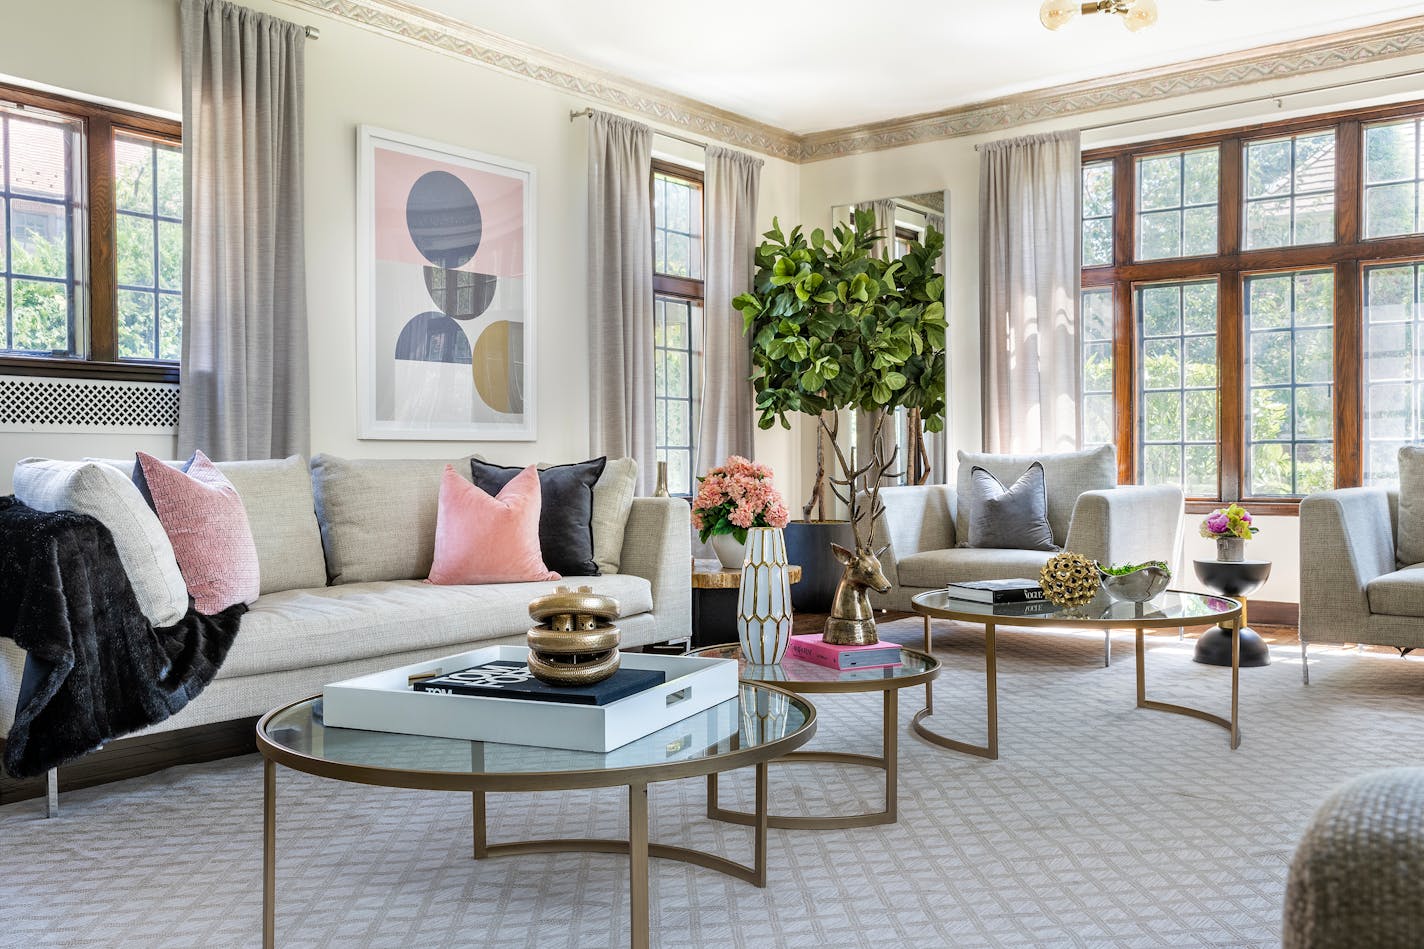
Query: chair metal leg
x=1304 y=665
x=52 y=793
x=1107 y=648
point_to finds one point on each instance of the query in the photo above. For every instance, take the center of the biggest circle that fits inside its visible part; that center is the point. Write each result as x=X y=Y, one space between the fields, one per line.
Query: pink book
x=812 y=648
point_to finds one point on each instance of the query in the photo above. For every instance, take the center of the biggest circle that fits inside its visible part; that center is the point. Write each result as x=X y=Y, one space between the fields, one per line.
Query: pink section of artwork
x=501 y=200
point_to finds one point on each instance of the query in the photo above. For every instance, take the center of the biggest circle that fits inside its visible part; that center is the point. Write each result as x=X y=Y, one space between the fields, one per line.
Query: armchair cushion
x=1065 y=474
x=935 y=568
x=1014 y=518
x=1400 y=593
x=1410 y=548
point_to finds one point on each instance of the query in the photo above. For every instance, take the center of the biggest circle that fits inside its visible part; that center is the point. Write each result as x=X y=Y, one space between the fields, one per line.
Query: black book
x=997 y=591
x=513 y=680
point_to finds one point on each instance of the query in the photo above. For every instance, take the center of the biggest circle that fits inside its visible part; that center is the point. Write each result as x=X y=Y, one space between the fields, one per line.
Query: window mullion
x=1349 y=428
x=103 y=296
x=1231 y=377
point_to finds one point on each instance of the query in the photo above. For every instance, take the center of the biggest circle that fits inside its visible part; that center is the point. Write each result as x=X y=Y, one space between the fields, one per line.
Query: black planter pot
x=808 y=544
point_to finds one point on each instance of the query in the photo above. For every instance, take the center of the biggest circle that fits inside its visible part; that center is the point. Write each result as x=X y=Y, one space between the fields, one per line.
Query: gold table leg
x=269 y=854
x=887 y=761
x=638 y=864
x=1232 y=725
x=929 y=651
x=991 y=682
x=481 y=848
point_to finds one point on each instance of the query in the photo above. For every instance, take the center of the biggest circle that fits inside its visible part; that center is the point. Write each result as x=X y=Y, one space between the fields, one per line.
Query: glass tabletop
x=1172 y=608
x=798 y=675
x=758 y=718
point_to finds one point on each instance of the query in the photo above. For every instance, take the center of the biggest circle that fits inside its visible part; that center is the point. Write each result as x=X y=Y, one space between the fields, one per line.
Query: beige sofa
x=343 y=547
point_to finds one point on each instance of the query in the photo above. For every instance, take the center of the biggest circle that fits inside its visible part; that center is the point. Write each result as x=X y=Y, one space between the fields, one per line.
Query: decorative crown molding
x=411 y=24
x=420 y=27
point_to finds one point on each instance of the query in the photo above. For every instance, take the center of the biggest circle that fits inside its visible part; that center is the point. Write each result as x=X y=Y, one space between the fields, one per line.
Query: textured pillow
x=111 y=499
x=1066 y=474
x=1013 y=518
x=204 y=518
x=565 y=510
x=377 y=516
x=612 y=503
x=1410 y=547
x=483 y=539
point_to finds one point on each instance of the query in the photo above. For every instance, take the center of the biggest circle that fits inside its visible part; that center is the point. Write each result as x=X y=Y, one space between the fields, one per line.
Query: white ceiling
x=830 y=63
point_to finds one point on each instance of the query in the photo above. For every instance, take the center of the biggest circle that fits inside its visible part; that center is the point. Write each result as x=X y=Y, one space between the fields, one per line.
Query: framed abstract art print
x=445 y=296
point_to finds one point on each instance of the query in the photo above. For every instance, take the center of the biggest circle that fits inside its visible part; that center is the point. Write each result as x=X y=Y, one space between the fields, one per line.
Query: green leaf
x=896 y=380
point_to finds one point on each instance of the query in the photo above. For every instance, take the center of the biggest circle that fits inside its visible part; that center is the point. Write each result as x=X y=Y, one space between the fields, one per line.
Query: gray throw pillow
x=1410 y=544
x=1012 y=518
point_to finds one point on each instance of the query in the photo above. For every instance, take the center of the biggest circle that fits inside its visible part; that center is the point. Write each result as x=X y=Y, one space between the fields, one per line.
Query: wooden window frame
x=100 y=122
x=1346 y=256
x=689 y=290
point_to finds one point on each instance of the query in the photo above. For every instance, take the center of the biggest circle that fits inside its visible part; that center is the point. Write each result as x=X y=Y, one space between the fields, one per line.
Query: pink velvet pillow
x=207 y=525
x=483 y=539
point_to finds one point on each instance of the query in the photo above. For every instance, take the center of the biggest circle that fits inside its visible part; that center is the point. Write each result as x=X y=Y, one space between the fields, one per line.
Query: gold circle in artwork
x=496 y=366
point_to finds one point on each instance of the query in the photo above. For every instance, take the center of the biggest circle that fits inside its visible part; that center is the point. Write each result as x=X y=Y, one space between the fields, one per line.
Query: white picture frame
x=445 y=300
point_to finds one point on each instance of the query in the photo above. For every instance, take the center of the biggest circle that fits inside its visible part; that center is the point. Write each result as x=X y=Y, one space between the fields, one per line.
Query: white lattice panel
x=34 y=404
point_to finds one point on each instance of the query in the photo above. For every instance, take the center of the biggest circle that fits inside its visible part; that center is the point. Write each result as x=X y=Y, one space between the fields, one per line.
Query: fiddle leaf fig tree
x=834 y=326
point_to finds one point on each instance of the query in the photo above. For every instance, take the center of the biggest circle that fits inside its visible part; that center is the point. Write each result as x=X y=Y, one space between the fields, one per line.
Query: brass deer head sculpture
x=852 y=619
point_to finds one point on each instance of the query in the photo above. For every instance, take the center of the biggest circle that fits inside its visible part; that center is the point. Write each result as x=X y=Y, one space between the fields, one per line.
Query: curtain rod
x=312 y=32
x=584 y=113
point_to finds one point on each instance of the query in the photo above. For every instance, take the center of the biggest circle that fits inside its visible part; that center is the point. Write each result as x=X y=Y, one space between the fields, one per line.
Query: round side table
x=1237 y=579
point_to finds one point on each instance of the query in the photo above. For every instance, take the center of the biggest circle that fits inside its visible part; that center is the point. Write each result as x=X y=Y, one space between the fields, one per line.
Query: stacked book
x=504 y=679
x=812 y=648
x=997 y=592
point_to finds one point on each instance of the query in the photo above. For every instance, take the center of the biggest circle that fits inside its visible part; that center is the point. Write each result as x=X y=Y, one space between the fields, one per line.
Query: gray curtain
x=731 y=184
x=244 y=389
x=620 y=293
x=1029 y=196
x=937 y=443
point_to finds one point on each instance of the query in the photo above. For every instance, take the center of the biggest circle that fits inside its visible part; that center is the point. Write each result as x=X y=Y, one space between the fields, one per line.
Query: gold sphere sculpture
x=575 y=641
x=1069 y=579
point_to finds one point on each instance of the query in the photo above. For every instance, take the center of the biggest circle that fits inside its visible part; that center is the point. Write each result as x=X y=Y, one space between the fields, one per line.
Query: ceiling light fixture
x=1136 y=14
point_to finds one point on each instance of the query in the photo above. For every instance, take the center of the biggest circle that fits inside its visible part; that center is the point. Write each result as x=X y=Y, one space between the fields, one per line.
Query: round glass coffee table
x=762 y=724
x=808 y=678
x=1170 y=610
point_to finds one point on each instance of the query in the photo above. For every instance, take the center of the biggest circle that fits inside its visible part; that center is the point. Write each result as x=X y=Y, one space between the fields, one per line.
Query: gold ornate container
x=575 y=642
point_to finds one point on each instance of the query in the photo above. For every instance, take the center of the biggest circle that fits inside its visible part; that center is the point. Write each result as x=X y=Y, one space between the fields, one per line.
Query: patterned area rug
x=1101 y=824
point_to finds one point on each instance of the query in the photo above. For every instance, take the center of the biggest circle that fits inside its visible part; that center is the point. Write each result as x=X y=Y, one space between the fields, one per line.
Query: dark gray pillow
x=1013 y=518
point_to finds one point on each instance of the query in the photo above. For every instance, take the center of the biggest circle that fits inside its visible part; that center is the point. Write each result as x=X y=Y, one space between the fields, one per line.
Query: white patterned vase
x=764 y=600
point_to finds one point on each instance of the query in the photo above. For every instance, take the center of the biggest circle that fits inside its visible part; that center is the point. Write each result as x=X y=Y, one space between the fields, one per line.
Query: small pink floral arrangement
x=1230 y=521
x=735 y=497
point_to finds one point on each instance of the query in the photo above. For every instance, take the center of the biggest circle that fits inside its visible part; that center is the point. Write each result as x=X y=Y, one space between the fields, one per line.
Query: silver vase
x=1231 y=549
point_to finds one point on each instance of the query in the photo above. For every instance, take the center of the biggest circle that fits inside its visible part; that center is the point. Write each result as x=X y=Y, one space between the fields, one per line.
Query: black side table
x=1237 y=579
x=714 y=602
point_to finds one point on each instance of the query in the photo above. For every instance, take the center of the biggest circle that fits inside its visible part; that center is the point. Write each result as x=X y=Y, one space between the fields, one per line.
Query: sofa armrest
x=657 y=546
x=1346 y=541
x=1128 y=524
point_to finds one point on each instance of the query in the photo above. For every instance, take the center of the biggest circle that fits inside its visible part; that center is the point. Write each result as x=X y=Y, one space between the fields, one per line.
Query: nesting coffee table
x=1172 y=609
x=808 y=678
x=764 y=723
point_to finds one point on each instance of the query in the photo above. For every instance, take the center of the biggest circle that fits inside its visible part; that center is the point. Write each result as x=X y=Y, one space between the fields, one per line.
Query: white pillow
x=103 y=493
x=612 y=501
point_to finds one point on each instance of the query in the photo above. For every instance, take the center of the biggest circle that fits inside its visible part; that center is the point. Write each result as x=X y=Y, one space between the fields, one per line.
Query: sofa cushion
x=207 y=524
x=612 y=502
x=111 y=498
x=565 y=510
x=935 y=568
x=1398 y=594
x=278 y=496
x=1410 y=546
x=377 y=516
x=1066 y=475
x=1012 y=518
x=297 y=629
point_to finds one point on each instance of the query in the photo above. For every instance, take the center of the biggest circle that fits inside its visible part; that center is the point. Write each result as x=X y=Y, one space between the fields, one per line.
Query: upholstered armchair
x=1353 y=588
x=1088 y=511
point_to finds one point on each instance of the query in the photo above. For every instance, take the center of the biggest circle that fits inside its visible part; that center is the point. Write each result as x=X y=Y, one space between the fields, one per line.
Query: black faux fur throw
x=97 y=669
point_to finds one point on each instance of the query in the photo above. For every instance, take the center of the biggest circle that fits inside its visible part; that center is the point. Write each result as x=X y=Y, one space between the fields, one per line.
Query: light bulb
x=1055 y=13
x=1142 y=15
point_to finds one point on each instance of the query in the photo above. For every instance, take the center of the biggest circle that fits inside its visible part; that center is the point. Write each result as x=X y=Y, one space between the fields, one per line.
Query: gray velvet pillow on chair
x=1012 y=518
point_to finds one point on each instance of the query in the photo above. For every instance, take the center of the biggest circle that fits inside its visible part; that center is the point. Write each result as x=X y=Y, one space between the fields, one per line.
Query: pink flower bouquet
x=1230 y=521
x=735 y=497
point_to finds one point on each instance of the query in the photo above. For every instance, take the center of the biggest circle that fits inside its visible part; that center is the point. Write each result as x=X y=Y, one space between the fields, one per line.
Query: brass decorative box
x=575 y=641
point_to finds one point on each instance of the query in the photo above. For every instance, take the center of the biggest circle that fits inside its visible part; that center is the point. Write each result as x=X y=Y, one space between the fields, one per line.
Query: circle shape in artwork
x=443 y=219
x=460 y=293
x=498 y=366
x=433 y=337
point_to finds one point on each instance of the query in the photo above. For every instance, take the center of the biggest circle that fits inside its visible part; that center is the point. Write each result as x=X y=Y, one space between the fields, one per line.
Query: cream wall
x=953 y=165
x=356 y=77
